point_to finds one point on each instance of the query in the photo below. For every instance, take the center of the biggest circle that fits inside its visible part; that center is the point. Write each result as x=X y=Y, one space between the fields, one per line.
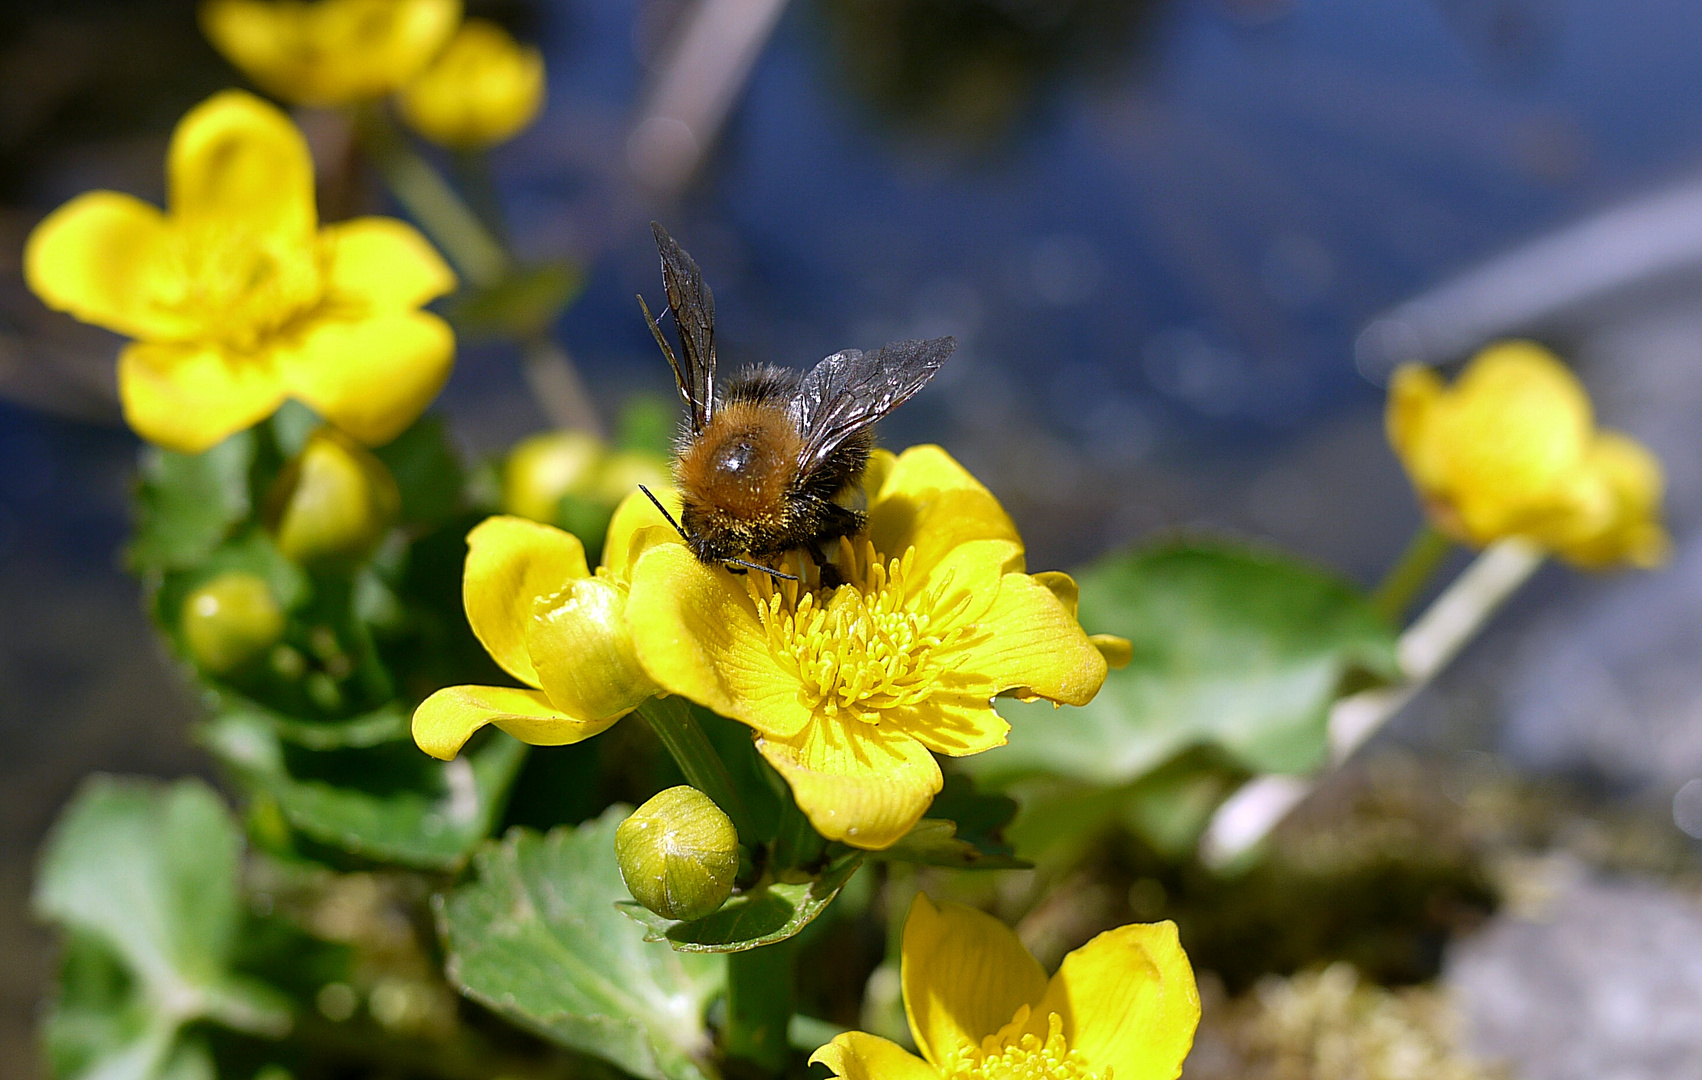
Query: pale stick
x=1435 y=638
x=706 y=65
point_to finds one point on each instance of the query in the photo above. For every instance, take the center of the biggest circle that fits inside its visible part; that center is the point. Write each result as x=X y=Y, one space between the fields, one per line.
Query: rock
x=1601 y=981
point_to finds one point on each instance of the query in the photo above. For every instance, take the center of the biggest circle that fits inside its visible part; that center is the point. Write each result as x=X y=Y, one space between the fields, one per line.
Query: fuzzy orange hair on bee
x=765 y=463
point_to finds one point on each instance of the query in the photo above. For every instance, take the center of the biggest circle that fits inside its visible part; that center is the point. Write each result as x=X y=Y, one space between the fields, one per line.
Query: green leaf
x=144 y=878
x=964 y=829
x=1234 y=647
x=427 y=472
x=388 y=723
x=537 y=939
x=389 y=802
x=186 y=504
x=525 y=302
x=762 y=916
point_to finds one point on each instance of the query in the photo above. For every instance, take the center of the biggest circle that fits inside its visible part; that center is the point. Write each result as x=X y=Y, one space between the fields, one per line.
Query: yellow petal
x=97 y=257
x=697 y=634
x=1118 y=651
x=379 y=264
x=1128 y=1002
x=332 y=51
x=1627 y=483
x=625 y=540
x=373 y=377
x=951 y=721
x=445 y=721
x=857 y=782
x=234 y=158
x=511 y=564
x=1413 y=390
x=881 y=462
x=583 y=653
x=1064 y=587
x=1032 y=644
x=965 y=975
x=857 y=1055
x=484 y=88
x=189 y=398
x=929 y=501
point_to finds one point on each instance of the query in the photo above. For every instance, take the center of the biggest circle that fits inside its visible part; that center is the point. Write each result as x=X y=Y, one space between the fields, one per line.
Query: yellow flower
x=237 y=299
x=1122 y=1007
x=553 y=625
x=330 y=52
x=1511 y=449
x=483 y=89
x=849 y=689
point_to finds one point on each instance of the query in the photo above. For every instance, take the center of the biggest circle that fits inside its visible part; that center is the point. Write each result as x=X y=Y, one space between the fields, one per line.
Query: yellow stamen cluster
x=868 y=645
x=1027 y=1058
x=239 y=288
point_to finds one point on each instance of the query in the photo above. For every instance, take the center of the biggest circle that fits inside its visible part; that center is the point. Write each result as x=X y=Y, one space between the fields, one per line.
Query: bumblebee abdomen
x=740 y=467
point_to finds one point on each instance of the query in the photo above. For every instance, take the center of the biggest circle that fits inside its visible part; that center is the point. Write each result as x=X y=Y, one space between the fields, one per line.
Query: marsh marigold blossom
x=553 y=625
x=482 y=90
x=237 y=299
x=1511 y=449
x=1122 y=1007
x=850 y=689
x=330 y=52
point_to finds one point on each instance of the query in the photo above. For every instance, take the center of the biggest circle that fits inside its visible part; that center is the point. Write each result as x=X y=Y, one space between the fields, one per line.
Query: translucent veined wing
x=850 y=390
x=693 y=306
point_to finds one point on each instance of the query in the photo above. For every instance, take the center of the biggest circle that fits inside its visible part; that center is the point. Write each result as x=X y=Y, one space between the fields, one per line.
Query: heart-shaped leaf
x=144 y=877
x=1234 y=647
x=388 y=802
x=536 y=937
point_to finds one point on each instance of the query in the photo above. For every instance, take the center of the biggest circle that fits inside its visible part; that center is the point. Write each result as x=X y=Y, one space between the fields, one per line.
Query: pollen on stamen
x=867 y=646
x=1025 y=1058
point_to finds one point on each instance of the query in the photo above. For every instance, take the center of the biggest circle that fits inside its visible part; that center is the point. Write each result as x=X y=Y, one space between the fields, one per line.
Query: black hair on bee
x=763 y=464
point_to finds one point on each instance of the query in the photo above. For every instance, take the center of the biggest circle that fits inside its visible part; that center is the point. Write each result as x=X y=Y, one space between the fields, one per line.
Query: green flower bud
x=333 y=503
x=678 y=854
x=230 y=620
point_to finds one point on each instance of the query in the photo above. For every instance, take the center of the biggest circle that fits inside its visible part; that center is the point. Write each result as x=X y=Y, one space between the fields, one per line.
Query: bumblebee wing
x=693 y=306
x=850 y=390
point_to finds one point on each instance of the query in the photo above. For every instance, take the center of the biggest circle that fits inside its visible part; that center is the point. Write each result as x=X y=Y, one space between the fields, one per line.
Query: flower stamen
x=872 y=644
x=1028 y=1057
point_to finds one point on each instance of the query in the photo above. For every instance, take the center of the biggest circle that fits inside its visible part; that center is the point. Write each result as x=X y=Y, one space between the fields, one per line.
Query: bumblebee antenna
x=657 y=503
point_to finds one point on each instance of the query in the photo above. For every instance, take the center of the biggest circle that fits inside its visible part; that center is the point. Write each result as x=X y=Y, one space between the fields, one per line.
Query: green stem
x=1411 y=572
x=759 y=1006
x=433 y=203
x=472 y=171
x=671 y=719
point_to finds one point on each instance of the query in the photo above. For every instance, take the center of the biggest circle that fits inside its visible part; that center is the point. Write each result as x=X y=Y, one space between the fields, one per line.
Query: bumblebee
x=764 y=464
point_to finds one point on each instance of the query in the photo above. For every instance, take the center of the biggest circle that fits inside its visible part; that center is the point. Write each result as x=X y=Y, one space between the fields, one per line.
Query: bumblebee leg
x=831 y=578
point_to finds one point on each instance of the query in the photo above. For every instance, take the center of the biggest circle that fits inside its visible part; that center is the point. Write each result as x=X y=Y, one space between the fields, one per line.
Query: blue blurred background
x=1173 y=236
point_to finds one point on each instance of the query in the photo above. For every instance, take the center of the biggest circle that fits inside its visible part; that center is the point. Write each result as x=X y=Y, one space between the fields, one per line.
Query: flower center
x=243 y=287
x=1026 y=1058
x=872 y=644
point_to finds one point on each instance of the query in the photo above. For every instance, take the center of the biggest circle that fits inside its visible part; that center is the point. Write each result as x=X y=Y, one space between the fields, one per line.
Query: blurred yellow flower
x=849 y=689
x=330 y=52
x=1511 y=449
x=553 y=625
x=1122 y=1007
x=236 y=299
x=543 y=468
x=482 y=90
